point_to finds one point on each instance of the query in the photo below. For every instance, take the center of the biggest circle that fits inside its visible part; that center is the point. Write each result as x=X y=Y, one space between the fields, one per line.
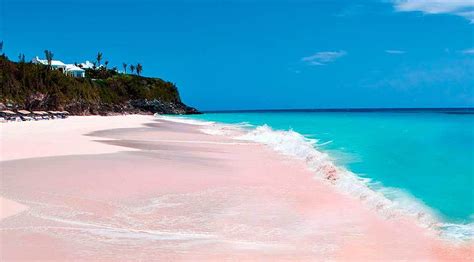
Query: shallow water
x=424 y=155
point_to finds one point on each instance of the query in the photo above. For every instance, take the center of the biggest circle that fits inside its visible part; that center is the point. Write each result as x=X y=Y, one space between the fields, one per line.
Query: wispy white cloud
x=395 y=52
x=469 y=51
x=464 y=8
x=322 y=58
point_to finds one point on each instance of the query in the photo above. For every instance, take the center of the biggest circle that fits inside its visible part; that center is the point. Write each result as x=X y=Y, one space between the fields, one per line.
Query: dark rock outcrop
x=157 y=106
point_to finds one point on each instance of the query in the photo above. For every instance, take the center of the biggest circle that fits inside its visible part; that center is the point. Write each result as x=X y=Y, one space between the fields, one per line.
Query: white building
x=68 y=69
x=55 y=64
x=72 y=70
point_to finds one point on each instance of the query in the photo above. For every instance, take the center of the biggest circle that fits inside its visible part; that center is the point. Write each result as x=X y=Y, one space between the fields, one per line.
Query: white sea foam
x=224 y=129
x=183 y=120
x=293 y=144
x=389 y=202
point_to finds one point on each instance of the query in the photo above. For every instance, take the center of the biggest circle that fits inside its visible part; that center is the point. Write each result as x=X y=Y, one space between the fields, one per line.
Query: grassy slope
x=34 y=87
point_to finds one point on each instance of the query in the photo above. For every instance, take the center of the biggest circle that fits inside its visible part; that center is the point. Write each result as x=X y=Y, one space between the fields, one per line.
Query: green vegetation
x=49 y=56
x=99 y=57
x=124 y=65
x=102 y=91
x=139 y=69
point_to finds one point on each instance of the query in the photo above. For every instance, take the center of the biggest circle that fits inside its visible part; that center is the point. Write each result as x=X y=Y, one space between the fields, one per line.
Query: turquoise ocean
x=419 y=156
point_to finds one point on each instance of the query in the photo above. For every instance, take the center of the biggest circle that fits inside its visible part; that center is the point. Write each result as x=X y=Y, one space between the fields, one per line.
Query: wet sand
x=134 y=188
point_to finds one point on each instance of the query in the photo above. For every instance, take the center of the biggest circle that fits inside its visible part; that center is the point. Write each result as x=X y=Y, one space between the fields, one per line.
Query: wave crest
x=389 y=202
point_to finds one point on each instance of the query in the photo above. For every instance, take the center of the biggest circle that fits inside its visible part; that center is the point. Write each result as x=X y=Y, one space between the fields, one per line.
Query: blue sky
x=245 y=54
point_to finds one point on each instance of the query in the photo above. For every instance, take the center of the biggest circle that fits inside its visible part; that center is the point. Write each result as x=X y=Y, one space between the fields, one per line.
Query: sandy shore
x=134 y=188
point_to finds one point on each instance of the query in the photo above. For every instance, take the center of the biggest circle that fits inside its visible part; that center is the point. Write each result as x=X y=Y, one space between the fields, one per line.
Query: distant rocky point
x=102 y=91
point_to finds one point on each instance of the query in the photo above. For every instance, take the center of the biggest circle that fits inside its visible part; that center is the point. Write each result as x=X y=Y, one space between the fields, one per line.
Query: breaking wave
x=293 y=144
x=389 y=202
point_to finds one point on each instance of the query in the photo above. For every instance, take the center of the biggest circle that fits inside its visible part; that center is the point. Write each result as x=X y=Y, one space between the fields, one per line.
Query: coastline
x=110 y=185
x=388 y=201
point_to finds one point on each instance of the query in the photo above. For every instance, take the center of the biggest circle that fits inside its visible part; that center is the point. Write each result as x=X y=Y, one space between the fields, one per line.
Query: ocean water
x=419 y=159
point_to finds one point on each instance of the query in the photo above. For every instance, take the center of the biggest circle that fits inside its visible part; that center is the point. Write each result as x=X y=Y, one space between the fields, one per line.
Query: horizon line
x=349 y=109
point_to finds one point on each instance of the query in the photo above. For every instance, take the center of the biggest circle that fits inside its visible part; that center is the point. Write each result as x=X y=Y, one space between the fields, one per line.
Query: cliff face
x=35 y=87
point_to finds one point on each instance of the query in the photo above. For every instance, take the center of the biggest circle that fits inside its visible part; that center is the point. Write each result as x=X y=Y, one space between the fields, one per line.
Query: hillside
x=36 y=87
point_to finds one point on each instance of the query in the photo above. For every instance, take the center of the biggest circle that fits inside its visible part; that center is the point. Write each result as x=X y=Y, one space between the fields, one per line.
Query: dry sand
x=9 y=208
x=133 y=188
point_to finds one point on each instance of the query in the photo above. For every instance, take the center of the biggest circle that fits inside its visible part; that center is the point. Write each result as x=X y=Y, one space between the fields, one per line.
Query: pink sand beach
x=132 y=187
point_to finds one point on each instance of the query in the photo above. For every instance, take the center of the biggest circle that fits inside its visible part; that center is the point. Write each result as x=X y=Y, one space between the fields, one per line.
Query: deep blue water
x=428 y=154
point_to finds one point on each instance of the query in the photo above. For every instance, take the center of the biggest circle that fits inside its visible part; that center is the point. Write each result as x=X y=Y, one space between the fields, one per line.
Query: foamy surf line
x=389 y=202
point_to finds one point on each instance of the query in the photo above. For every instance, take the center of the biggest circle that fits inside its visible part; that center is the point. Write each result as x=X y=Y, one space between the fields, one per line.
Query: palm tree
x=21 y=58
x=139 y=68
x=124 y=67
x=49 y=56
x=1 y=47
x=132 y=68
x=99 y=58
x=106 y=63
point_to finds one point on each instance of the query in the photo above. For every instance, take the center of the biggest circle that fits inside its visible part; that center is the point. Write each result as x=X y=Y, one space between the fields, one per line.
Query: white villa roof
x=71 y=67
x=45 y=62
x=57 y=63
